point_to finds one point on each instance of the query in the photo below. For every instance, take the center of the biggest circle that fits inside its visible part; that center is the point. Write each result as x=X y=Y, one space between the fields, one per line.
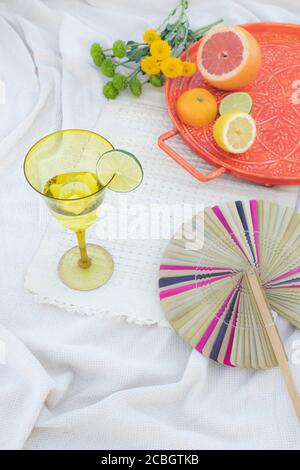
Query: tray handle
x=182 y=162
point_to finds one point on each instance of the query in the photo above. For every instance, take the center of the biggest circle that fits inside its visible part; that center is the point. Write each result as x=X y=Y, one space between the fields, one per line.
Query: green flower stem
x=185 y=41
x=134 y=73
x=182 y=5
x=204 y=29
x=182 y=12
x=187 y=52
x=172 y=27
x=122 y=63
x=134 y=44
x=173 y=13
x=108 y=54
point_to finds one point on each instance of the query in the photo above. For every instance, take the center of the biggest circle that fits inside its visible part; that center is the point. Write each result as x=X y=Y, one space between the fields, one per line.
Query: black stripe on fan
x=241 y=212
x=168 y=281
x=282 y=283
x=219 y=340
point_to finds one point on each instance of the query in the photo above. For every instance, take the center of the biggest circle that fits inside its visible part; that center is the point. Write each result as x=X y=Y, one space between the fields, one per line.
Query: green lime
x=239 y=101
x=119 y=170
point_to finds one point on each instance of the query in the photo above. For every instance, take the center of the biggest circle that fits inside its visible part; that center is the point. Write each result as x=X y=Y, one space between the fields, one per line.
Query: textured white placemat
x=135 y=124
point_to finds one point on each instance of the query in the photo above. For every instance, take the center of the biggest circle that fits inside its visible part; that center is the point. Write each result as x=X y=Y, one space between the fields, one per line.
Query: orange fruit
x=197 y=107
x=229 y=57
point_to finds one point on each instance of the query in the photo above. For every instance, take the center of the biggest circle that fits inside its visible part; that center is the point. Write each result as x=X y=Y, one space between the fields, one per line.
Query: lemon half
x=235 y=132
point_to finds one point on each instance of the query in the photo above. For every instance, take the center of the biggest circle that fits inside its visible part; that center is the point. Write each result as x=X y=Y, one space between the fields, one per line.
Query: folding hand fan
x=226 y=274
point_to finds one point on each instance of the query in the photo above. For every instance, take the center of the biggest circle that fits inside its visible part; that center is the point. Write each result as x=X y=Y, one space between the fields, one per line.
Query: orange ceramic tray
x=275 y=156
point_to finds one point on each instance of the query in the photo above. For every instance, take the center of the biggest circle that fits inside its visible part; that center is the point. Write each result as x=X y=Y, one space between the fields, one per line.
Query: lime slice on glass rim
x=119 y=170
x=239 y=101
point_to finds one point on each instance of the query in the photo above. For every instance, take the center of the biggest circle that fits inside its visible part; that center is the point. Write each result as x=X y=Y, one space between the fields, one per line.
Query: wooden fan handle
x=274 y=337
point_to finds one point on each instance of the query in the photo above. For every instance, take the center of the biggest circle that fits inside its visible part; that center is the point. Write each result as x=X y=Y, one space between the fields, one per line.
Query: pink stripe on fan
x=227 y=360
x=294 y=286
x=195 y=285
x=224 y=222
x=173 y=267
x=254 y=215
x=288 y=273
x=213 y=323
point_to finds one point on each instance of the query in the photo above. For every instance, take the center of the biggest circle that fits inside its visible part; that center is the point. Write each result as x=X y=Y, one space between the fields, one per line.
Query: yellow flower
x=171 y=67
x=160 y=49
x=188 y=69
x=150 y=35
x=150 y=65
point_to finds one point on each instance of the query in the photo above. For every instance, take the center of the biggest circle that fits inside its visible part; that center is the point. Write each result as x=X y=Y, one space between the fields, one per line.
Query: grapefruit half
x=229 y=57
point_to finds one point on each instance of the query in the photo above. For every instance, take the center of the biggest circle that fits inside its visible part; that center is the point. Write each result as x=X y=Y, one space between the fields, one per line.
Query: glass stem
x=84 y=262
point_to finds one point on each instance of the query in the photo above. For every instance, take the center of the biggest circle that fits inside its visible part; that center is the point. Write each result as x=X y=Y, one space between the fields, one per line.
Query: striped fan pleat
x=204 y=290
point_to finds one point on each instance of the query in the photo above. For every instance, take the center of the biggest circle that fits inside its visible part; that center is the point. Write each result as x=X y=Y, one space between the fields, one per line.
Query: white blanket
x=80 y=382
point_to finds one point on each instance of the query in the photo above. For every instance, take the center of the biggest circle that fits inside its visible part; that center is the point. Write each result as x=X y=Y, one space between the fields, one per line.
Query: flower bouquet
x=133 y=64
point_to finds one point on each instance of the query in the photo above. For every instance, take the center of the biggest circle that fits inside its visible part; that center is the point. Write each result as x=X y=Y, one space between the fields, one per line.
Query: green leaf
x=171 y=36
x=136 y=54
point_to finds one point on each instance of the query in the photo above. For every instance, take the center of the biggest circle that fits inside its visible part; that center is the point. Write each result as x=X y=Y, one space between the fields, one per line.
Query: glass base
x=97 y=274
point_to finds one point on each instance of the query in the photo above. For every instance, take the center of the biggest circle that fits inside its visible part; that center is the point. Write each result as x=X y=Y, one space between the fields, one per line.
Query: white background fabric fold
x=81 y=382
